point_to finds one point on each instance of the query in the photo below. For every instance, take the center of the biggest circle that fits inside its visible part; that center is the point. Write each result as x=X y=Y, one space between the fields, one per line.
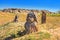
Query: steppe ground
x=48 y=31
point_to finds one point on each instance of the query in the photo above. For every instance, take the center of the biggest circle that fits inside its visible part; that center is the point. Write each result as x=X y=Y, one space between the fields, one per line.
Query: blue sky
x=51 y=5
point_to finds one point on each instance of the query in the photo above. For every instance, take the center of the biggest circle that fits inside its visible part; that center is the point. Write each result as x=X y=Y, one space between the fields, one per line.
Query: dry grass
x=52 y=26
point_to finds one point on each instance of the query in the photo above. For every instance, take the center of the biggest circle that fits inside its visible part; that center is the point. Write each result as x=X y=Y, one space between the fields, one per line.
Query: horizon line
x=52 y=10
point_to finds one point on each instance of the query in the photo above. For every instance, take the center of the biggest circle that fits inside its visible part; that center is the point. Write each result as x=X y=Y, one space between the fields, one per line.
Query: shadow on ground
x=19 y=34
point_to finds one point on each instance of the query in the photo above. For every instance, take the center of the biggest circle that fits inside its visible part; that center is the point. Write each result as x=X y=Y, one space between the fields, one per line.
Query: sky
x=51 y=5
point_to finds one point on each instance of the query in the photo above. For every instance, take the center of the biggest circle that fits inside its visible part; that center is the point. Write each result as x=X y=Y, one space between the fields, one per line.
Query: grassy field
x=47 y=31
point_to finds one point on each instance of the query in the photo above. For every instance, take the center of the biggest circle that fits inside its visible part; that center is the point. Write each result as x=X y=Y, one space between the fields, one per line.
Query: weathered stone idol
x=43 y=18
x=15 y=19
x=30 y=23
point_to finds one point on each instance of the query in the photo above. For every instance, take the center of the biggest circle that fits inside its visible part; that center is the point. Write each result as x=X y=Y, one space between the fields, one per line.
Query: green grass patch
x=44 y=35
x=32 y=38
x=53 y=15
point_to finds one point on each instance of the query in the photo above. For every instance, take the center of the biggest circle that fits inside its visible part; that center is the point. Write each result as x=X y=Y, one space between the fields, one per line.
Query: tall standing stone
x=43 y=18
